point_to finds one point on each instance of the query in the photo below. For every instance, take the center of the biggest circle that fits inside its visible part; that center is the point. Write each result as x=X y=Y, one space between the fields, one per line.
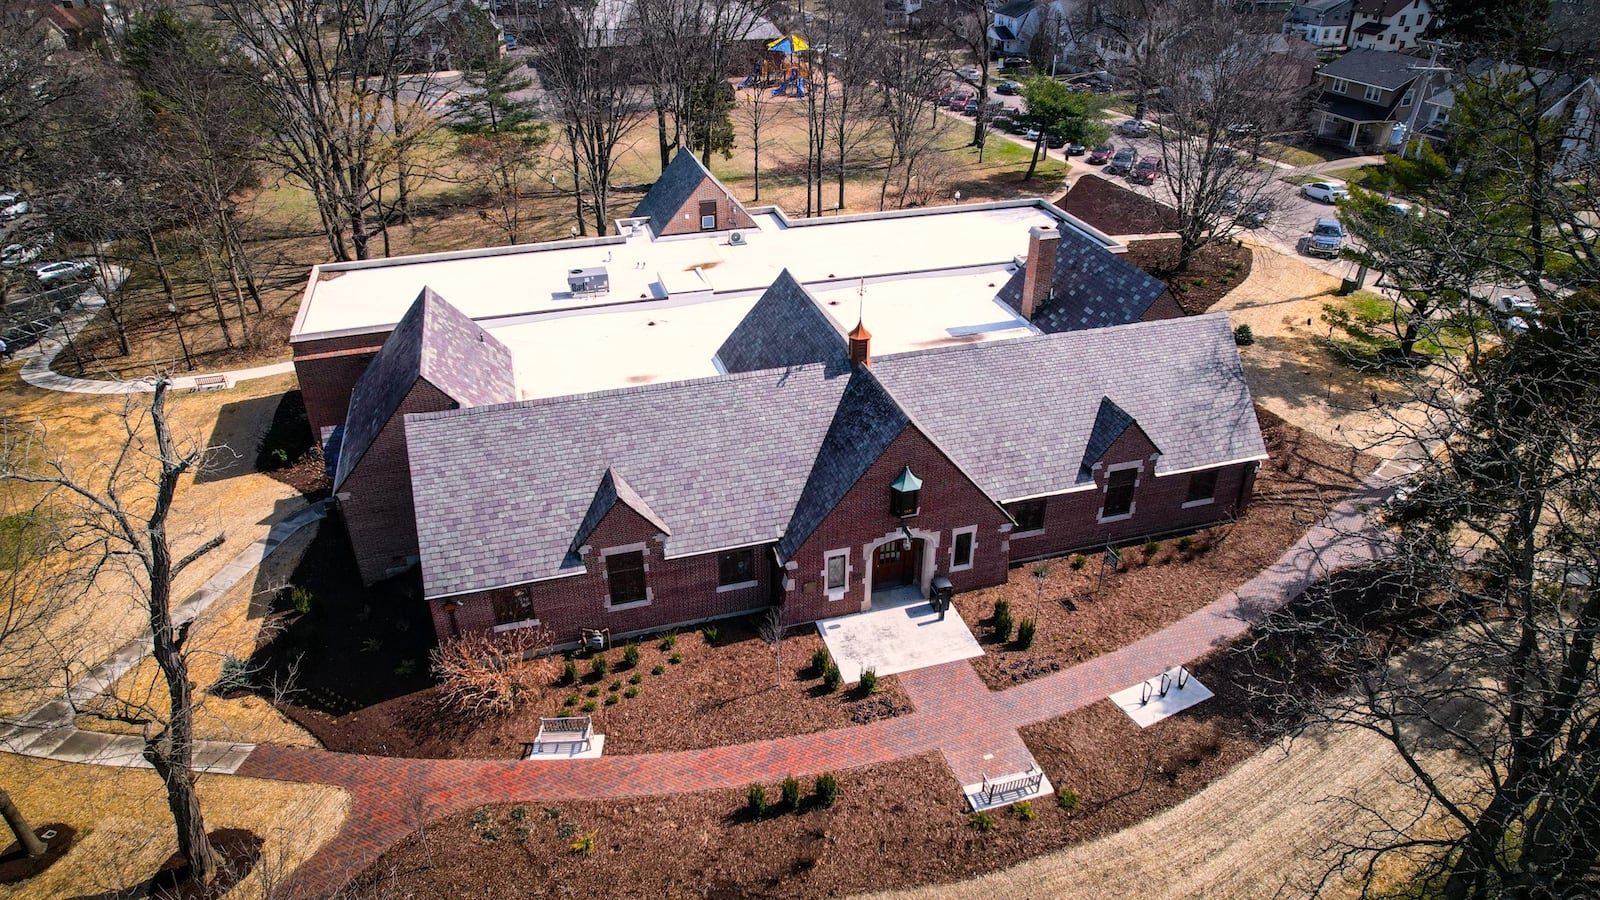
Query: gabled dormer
x=1115 y=438
x=688 y=199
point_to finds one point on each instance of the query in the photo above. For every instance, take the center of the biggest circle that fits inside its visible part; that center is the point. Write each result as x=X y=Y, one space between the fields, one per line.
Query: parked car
x=958 y=100
x=1231 y=201
x=1325 y=192
x=1327 y=238
x=15 y=255
x=1223 y=156
x=1147 y=170
x=1400 y=208
x=15 y=209
x=1054 y=142
x=1255 y=214
x=1008 y=88
x=970 y=73
x=1122 y=162
x=1512 y=313
x=1101 y=155
x=1001 y=123
x=1076 y=149
x=53 y=273
x=1019 y=126
x=971 y=107
x=1133 y=127
x=1014 y=62
x=1032 y=134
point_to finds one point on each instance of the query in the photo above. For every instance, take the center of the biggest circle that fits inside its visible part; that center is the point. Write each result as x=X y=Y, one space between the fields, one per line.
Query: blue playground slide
x=748 y=80
x=800 y=87
x=783 y=85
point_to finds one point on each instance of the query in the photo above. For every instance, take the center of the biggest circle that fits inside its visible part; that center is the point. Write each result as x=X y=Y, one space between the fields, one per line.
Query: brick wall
x=1070 y=520
x=378 y=513
x=729 y=213
x=681 y=590
x=328 y=370
x=862 y=520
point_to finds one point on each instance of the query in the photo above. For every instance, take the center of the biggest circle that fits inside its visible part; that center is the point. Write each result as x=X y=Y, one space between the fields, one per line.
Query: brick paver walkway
x=974 y=728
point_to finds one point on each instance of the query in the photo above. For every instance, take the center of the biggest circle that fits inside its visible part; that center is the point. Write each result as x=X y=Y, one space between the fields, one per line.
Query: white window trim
x=972 y=553
x=740 y=586
x=516 y=626
x=1372 y=94
x=1191 y=504
x=839 y=592
x=1339 y=86
x=605 y=575
x=1133 y=505
x=708 y=223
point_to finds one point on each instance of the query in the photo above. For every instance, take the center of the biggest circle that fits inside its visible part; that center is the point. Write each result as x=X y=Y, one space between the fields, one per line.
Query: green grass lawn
x=1357 y=175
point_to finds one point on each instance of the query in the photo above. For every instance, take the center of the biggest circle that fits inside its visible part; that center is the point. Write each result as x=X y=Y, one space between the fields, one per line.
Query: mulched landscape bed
x=1212 y=272
x=714 y=694
x=1079 y=618
x=894 y=825
x=1114 y=209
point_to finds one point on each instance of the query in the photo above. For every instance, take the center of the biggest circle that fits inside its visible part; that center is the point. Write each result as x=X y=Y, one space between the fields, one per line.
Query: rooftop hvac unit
x=592 y=280
x=736 y=239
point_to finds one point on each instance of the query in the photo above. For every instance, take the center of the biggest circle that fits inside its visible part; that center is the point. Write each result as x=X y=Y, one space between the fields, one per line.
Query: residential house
x=667 y=426
x=1570 y=101
x=1363 y=95
x=1321 y=23
x=67 y=25
x=1014 y=25
x=1389 y=24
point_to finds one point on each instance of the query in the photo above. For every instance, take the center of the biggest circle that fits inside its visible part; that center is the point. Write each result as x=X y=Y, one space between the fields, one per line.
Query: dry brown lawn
x=125 y=831
x=232 y=500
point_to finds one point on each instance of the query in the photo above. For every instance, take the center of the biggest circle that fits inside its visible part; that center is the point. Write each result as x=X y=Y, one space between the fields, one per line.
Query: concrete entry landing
x=901 y=632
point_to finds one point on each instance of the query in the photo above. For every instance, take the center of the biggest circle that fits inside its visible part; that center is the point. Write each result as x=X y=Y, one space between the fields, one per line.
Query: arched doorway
x=896 y=565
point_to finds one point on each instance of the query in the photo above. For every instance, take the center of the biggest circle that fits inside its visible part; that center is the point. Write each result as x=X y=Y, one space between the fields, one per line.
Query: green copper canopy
x=907 y=482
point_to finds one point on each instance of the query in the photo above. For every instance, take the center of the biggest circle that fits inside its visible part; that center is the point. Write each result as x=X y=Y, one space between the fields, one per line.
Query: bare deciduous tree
x=483 y=675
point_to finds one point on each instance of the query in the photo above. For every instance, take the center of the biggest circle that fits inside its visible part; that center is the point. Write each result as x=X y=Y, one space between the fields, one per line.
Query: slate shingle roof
x=1017 y=415
x=761 y=457
x=501 y=491
x=865 y=422
x=1093 y=288
x=433 y=341
x=1375 y=67
x=676 y=185
x=613 y=489
x=784 y=328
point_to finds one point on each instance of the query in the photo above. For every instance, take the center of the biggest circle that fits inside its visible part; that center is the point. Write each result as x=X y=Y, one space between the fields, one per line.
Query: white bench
x=561 y=730
x=1023 y=784
x=210 y=382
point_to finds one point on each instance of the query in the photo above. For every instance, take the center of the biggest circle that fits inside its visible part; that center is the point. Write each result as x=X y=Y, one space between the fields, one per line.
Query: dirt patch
x=894 y=825
x=1114 y=209
x=1083 y=609
x=1212 y=273
x=729 y=692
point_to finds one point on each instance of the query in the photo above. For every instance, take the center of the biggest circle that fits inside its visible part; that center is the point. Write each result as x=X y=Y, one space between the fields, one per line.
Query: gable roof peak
x=677 y=185
x=785 y=328
x=613 y=489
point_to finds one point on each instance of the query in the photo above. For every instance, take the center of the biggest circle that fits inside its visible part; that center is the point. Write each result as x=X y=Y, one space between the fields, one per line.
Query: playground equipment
x=795 y=81
x=784 y=52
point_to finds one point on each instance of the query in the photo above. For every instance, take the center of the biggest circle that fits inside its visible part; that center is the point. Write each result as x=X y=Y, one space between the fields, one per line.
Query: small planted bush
x=981 y=822
x=1025 y=629
x=235 y=676
x=590 y=706
x=1068 y=799
x=658 y=669
x=301 y=598
x=791 y=792
x=869 y=680
x=630 y=655
x=636 y=678
x=1244 y=336
x=631 y=693
x=615 y=686
x=675 y=658
x=583 y=845
x=519 y=813
x=711 y=633
x=569 y=672
x=669 y=640
x=600 y=666
x=1023 y=810
x=1078 y=562
x=1185 y=544
x=826 y=789
x=755 y=800
x=611 y=699
x=819 y=660
x=831 y=679
x=592 y=692
x=571 y=701
x=1151 y=548
x=1002 y=621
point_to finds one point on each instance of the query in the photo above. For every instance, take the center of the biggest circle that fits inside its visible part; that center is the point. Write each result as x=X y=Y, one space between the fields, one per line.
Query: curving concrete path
x=36 y=369
x=975 y=729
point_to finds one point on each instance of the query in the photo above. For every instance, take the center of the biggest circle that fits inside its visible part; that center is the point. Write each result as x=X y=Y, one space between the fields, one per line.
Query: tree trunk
x=204 y=255
x=1033 y=162
x=20 y=827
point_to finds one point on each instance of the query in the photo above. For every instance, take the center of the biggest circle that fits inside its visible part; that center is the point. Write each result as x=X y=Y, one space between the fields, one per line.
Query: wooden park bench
x=561 y=730
x=210 y=382
x=1022 y=784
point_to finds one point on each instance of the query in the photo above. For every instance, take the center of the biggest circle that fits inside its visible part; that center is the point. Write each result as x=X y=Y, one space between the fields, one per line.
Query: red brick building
x=661 y=444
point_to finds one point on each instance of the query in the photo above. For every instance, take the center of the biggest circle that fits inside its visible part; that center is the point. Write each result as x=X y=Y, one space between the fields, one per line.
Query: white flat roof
x=531 y=279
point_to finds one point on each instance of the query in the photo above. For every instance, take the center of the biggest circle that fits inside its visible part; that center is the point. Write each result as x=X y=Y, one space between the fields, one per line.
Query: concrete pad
x=568 y=749
x=979 y=803
x=1177 y=699
x=900 y=633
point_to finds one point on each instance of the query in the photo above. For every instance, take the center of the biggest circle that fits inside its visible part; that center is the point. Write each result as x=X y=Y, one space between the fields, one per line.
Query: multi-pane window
x=962 y=557
x=1202 y=486
x=625 y=572
x=1119 y=493
x=516 y=606
x=1372 y=94
x=736 y=566
x=1029 y=515
x=837 y=565
x=1339 y=86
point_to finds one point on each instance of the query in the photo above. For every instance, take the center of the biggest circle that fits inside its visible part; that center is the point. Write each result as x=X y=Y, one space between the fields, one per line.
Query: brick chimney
x=860 y=345
x=1038 y=278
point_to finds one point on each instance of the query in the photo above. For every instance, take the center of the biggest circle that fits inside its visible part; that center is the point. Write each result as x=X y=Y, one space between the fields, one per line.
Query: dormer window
x=905 y=494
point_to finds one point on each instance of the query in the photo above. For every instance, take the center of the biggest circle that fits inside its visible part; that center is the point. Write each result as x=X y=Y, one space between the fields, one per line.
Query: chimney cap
x=1044 y=232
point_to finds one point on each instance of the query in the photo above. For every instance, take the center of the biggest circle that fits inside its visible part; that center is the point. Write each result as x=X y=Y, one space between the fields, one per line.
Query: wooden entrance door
x=895 y=566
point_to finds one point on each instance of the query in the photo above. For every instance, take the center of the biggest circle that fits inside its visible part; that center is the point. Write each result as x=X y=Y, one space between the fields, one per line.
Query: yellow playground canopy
x=790 y=43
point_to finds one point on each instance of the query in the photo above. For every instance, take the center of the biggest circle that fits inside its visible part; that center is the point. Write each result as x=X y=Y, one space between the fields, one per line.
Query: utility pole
x=1420 y=87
